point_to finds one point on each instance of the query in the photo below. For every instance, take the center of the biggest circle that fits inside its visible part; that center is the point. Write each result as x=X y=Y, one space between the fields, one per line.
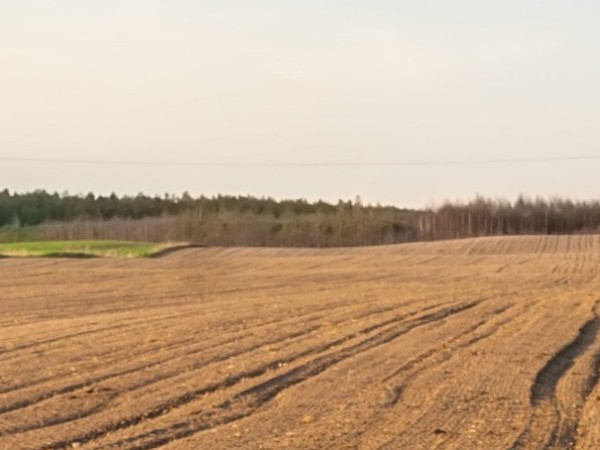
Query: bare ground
x=473 y=344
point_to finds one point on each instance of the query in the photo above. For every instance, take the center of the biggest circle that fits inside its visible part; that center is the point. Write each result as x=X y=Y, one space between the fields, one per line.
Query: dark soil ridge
x=543 y=391
x=170 y=250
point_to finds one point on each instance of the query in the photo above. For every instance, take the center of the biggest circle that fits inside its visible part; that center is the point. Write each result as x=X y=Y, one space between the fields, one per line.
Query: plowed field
x=488 y=343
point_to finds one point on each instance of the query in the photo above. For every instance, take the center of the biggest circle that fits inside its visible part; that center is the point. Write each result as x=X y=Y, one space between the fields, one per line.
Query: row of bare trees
x=485 y=217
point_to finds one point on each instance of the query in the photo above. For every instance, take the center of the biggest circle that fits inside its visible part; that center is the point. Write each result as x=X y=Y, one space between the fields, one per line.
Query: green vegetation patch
x=81 y=249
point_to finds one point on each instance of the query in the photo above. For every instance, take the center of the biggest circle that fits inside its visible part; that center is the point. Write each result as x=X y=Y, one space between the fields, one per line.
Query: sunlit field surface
x=471 y=344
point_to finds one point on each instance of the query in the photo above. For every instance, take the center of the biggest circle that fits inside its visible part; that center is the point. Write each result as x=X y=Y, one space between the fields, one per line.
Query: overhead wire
x=448 y=162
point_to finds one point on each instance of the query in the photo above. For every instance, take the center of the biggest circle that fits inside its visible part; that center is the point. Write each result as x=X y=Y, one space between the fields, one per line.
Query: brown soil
x=473 y=344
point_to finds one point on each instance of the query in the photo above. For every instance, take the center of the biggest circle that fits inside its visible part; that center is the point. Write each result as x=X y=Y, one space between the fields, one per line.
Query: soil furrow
x=190 y=396
x=178 y=344
x=451 y=346
x=248 y=401
x=457 y=345
x=201 y=364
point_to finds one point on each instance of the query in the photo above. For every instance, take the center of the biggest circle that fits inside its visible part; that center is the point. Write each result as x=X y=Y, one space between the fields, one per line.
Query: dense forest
x=246 y=220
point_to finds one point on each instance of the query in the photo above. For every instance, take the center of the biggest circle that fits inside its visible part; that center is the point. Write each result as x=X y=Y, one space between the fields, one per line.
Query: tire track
x=202 y=364
x=397 y=390
x=264 y=391
x=548 y=427
x=87 y=384
x=396 y=393
x=91 y=381
x=248 y=401
x=184 y=342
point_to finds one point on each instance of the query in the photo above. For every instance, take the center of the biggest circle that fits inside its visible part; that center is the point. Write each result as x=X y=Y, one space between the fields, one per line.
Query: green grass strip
x=82 y=249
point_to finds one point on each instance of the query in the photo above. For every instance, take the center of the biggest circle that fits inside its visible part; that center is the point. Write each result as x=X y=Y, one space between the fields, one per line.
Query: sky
x=281 y=82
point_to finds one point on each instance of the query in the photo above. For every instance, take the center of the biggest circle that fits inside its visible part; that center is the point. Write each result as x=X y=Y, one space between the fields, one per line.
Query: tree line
x=247 y=220
x=486 y=217
x=218 y=220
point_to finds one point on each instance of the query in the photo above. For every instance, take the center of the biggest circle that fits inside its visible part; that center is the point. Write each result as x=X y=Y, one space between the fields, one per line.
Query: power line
x=550 y=159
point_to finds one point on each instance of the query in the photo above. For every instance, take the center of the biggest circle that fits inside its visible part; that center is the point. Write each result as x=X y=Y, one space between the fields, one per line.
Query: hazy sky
x=294 y=82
